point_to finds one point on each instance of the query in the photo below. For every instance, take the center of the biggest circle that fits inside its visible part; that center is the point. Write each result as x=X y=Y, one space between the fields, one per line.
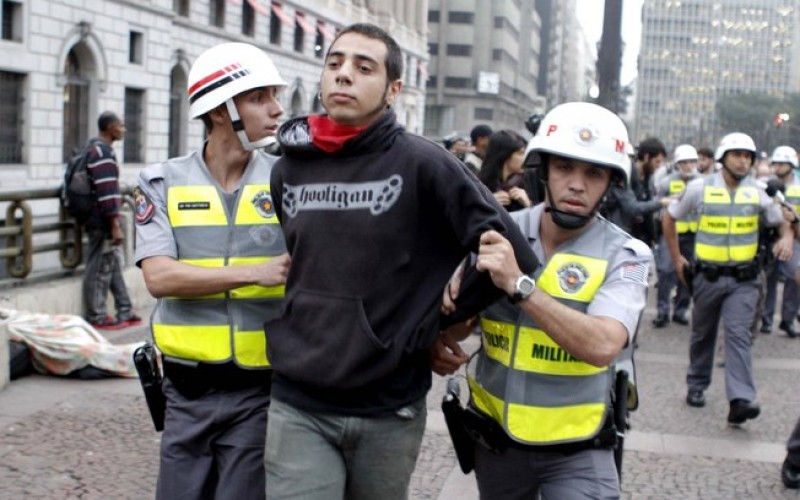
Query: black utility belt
x=488 y=433
x=195 y=379
x=740 y=272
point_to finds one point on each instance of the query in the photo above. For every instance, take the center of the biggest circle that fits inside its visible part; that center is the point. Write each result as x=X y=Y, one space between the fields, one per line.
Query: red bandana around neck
x=328 y=135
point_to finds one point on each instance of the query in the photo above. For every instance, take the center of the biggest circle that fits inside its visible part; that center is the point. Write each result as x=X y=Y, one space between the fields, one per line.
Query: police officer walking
x=685 y=163
x=212 y=252
x=784 y=161
x=730 y=208
x=544 y=375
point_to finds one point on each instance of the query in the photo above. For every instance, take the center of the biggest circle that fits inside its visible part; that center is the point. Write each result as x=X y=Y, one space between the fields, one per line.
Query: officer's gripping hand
x=496 y=256
x=273 y=272
x=679 y=268
x=446 y=354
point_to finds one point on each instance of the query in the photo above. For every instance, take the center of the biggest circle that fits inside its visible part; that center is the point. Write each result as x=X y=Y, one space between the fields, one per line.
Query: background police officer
x=684 y=161
x=545 y=371
x=213 y=253
x=783 y=161
x=730 y=208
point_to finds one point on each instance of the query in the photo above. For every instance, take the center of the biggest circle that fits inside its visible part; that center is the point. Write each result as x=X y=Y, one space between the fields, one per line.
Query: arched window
x=177 y=112
x=316 y=106
x=296 y=104
x=76 y=102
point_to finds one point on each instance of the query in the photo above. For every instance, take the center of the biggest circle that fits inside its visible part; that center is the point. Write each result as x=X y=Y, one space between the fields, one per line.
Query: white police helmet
x=227 y=70
x=784 y=154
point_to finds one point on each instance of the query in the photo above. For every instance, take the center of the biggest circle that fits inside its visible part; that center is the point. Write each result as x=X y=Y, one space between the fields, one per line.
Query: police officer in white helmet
x=783 y=162
x=731 y=209
x=544 y=377
x=212 y=252
x=684 y=169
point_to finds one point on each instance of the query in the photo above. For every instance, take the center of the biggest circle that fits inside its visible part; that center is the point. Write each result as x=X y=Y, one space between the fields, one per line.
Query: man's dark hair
x=479 y=131
x=394 y=56
x=706 y=151
x=106 y=120
x=650 y=147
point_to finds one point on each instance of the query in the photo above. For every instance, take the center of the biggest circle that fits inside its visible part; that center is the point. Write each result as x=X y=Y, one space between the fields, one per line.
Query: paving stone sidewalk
x=72 y=439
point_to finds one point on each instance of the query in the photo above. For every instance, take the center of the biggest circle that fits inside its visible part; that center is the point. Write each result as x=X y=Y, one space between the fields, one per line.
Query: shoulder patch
x=152 y=172
x=143 y=207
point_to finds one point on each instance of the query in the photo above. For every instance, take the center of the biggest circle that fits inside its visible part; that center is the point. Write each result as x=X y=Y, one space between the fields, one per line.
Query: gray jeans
x=103 y=273
x=317 y=456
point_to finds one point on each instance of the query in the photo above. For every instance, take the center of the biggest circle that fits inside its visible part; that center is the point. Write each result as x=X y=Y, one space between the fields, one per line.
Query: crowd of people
x=305 y=300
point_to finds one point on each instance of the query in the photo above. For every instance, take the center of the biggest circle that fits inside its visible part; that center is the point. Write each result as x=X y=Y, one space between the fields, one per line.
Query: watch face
x=525 y=285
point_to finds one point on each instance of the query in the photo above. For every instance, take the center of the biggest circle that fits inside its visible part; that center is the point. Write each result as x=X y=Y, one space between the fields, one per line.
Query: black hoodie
x=375 y=231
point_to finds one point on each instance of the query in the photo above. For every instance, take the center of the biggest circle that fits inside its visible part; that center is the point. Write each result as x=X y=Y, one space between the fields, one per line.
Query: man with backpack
x=103 y=262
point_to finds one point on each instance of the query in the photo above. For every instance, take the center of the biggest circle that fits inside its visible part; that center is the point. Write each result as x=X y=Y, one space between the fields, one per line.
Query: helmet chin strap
x=566 y=220
x=238 y=127
x=736 y=176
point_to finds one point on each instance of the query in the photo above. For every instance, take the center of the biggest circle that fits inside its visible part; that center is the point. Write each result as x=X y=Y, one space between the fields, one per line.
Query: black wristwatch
x=524 y=286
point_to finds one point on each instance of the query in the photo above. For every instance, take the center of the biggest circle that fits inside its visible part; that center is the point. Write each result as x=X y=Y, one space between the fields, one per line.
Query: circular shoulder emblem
x=142 y=206
x=572 y=277
x=262 y=201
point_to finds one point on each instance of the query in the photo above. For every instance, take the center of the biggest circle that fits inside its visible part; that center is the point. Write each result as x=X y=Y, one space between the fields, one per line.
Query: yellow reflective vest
x=538 y=392
x=728 y=226
x=211 y=232
x=677 y=186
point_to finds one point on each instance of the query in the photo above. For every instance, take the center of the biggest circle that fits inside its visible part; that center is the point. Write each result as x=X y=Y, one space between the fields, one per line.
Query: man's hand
x=679 y=267
x=782 y=249
x=117 y=236
x=446 y=355
x=520 y=196
x=451 y=290
x=497 y=257
x=273 y=272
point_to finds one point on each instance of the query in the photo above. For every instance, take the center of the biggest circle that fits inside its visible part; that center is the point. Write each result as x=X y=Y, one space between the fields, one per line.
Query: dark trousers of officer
x=668 y=278
x=518 y=474
x=791 y=296
x=213 y=445
x=735 y=303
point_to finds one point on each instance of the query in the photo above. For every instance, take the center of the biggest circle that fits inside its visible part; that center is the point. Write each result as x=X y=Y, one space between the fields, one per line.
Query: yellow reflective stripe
x=714 y=224
x=253 y=198
x=251 y=348
x=486 y=402
x=539 y=424
x=744 y=224
x=208 y=262
x=741 y=253
x=676 y=187
x=793 y=191
x=244 y=292
x=713 y=194
x=710 y=253
x=255 y=291
x=199 y=343
x=565 y=272
x=693 y=226
x=681 y=226
x=537 y=352
x=212 y=215
x=498 y=338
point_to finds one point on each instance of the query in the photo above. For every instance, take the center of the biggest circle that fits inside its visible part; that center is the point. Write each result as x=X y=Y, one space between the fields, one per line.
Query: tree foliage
x=755 y=115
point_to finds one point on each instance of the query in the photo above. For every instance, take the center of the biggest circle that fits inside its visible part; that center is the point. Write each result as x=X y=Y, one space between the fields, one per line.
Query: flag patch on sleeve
x=635 y=271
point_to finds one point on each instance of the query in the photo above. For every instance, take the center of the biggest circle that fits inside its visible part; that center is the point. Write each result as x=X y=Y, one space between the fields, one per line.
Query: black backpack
x=77 y=192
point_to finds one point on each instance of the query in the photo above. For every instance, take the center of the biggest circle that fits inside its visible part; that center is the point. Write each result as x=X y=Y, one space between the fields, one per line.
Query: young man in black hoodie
x=376 y=220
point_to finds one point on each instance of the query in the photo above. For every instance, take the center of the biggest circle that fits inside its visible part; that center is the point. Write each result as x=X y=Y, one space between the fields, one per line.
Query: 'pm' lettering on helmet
x=551 y=129
x=619 y=146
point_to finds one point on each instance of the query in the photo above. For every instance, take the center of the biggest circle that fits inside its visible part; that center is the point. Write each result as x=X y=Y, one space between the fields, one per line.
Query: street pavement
x=71 y=439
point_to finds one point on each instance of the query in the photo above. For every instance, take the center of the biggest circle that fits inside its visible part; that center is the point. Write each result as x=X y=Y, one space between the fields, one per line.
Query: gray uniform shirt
x=155 y=237
x=623 y=294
